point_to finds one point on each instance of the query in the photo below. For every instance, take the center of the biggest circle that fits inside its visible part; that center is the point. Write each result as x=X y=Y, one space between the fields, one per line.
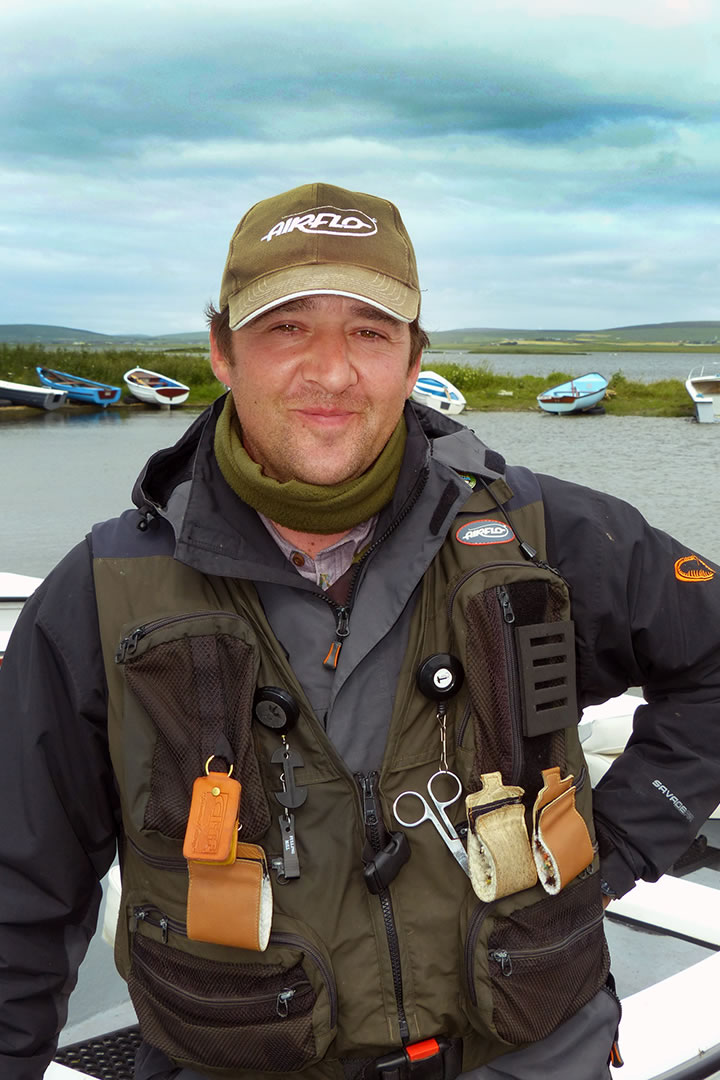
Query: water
x=638 y=367
x=65 y=470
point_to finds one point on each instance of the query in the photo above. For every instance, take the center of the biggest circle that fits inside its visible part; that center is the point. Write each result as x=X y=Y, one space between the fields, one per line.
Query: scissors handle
x=447 y=833
x=427 y=814
x=439 y=803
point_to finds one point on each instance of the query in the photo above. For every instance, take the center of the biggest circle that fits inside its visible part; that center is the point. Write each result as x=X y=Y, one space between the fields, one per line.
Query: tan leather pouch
x=231 y=904
x=498 y=847
x=561 y=842
x=212 y=828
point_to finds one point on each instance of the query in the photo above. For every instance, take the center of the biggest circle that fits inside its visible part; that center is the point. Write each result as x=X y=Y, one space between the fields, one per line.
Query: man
x=324 y=598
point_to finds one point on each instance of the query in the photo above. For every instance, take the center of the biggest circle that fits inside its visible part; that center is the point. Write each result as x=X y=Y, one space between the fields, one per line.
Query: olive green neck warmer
x=312 y=508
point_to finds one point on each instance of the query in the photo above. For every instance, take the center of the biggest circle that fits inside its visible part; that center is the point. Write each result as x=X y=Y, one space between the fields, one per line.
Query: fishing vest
x=348 y=973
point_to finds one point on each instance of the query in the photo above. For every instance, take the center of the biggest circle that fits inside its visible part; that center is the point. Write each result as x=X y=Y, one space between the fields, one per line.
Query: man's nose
x=328 y=362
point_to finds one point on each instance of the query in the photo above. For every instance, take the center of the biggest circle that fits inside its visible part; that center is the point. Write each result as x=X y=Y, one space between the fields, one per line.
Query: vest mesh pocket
x=236 y=1016
x=547 y=961
x=198 y=692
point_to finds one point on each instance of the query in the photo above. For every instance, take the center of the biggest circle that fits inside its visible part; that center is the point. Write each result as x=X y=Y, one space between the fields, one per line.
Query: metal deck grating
x=107 y=1057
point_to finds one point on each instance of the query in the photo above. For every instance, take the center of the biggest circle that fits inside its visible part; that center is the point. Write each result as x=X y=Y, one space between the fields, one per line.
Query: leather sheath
x=212 y=828
x=499 y=856
x=231 y=904
x=561 y=842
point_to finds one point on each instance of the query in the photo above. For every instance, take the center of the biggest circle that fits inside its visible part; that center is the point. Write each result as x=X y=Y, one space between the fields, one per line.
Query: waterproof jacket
x=632 y=588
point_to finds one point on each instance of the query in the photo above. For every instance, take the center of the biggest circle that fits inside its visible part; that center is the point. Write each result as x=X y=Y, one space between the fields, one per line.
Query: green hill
x=32 y=334
x=672 y=333
x=667 y=334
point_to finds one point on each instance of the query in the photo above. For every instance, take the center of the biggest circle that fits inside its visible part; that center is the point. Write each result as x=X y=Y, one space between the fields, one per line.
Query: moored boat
x=576 y=396
x=86 y=391
x=703 y=386
x=438 y=392
x=37 y=397
x=154 y=388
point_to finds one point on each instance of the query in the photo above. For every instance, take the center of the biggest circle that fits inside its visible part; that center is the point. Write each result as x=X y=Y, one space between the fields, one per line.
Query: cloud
x=544 y=155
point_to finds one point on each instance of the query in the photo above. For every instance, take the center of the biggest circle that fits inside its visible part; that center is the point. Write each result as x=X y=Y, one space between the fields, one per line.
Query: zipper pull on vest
x=342 y=629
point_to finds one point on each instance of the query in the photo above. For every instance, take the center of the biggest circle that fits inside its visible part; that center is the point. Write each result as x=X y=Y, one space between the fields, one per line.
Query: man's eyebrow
x=367 y=311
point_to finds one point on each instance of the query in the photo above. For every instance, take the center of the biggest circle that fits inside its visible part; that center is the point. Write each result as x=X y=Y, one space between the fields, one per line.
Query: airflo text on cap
x=320 y=239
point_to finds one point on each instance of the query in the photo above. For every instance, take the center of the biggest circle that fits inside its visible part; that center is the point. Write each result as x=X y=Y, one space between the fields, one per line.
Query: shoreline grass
x=484 y=389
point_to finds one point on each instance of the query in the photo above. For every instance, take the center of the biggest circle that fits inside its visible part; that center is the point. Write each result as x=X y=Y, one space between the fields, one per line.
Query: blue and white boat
x=576 y=396
x=437 y=392
x=85 y=391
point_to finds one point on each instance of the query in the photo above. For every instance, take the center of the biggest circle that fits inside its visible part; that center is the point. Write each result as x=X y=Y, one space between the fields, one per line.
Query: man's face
x=319 y=385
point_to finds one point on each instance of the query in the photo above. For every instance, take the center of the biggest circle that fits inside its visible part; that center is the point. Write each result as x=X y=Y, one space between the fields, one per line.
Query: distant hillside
x=671 y=333
x=688 y=333
x=32 y=334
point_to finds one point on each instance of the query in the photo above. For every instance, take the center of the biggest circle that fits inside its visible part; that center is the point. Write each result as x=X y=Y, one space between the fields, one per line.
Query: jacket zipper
x=371 y=820
x=152 y=916
x=505 y=958
x=343 y=611
x=282 y=998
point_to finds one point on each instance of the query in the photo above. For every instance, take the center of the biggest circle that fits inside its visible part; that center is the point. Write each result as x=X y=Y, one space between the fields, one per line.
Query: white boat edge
x=444 y=398
x=707 y=405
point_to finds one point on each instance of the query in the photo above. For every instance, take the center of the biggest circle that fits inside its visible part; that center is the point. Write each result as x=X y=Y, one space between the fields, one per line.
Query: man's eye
x=368 y=333
x=285 y=327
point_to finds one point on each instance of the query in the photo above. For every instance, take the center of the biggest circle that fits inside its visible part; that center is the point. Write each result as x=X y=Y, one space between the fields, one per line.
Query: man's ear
x=219 y=361
x=413 y=372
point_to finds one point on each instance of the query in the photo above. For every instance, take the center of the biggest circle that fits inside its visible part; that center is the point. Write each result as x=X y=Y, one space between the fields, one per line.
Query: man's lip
x=314 y=410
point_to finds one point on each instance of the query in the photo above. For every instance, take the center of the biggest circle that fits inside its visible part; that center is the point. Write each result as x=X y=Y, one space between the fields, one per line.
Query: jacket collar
x=215 y=532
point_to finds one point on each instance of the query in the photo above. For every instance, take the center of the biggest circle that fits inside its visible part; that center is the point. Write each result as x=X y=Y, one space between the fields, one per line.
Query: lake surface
x=66 y=470
x=636 y=366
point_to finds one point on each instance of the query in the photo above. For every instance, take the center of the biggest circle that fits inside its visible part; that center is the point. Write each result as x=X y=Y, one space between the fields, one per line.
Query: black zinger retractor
x=440 y=676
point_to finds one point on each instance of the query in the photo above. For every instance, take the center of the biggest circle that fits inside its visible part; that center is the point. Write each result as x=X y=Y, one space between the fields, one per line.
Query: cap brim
x=385 y=293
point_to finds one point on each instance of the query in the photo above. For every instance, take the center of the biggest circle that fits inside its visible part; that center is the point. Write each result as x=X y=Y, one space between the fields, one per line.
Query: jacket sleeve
x=57 y=807
x=647 y=613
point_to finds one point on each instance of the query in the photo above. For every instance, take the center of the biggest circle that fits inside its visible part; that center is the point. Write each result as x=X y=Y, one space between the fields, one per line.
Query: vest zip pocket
x=546 y=961
x=509 y=962
x=278 y=1014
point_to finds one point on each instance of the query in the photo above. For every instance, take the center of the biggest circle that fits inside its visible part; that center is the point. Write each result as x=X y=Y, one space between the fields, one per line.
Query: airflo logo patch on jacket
x=484 y=531
x=328 y=220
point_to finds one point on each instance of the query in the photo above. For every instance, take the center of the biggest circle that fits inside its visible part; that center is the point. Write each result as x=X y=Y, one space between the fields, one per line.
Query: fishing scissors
x=442 y=823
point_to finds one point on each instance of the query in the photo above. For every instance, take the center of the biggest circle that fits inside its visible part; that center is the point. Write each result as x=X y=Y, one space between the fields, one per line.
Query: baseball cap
x=318 y=239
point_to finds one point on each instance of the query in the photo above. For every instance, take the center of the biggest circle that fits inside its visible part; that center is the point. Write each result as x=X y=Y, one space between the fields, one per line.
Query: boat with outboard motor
x=438 y=392
x=579 y=395
x=703 y=386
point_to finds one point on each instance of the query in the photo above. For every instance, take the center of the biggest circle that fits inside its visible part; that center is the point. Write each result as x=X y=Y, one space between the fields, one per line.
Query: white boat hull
x=437 y=392
x=704 y=391
x=150 y=388
x=37 y=397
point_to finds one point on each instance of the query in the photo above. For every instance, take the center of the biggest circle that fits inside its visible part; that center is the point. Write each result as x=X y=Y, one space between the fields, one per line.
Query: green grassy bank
x=484 y=389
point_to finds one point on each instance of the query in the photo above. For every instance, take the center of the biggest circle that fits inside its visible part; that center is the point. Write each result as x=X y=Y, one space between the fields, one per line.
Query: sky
x=556 y=162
